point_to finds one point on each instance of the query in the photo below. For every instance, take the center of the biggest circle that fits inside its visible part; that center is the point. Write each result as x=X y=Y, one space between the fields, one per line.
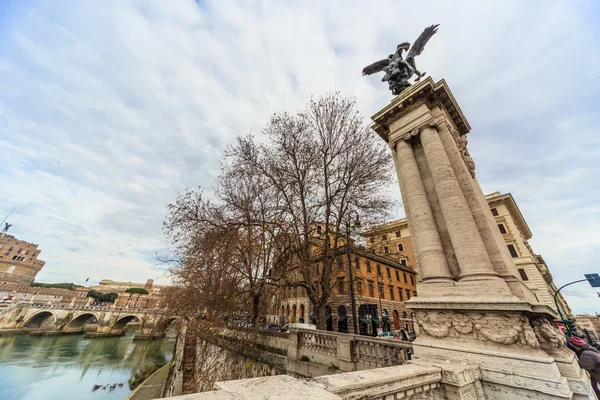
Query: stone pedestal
x=472 y=307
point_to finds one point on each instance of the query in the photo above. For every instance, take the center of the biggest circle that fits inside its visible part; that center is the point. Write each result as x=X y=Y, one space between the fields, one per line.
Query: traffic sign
x=593 y=279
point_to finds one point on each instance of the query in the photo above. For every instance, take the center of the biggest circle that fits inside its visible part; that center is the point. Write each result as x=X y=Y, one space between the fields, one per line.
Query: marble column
x=429 y=251
x=470 y=251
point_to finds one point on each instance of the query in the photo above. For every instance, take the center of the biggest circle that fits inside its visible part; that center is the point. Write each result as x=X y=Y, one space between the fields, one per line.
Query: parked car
x=270 y=327
x=386 y=335
x=286 y=327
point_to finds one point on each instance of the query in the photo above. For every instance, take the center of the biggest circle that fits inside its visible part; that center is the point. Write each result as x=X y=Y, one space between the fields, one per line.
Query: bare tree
x=320 y=164
x=228 y=247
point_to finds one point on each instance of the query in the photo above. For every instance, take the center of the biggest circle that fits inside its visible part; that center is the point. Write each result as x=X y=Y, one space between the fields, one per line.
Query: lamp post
x=594 y=281
x=380 y=291
x=350 y=272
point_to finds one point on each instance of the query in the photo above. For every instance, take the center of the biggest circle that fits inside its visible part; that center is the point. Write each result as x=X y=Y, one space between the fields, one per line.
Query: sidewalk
x=152 y=387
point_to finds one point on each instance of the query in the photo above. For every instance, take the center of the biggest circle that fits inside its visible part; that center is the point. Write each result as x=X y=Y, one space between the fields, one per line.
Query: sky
x=109 y=109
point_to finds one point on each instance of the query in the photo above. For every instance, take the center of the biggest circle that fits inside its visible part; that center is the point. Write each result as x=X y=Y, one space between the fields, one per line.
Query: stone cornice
x=426 y=91
x=514 y=211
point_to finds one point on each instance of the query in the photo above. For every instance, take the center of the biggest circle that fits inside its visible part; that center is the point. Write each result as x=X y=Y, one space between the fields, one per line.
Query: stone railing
x=377 y=353
x=317 y=341
x=346 y=352
x=94 y=308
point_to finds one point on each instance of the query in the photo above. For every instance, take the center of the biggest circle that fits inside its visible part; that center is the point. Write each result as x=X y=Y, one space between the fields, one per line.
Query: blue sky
x=109 y=108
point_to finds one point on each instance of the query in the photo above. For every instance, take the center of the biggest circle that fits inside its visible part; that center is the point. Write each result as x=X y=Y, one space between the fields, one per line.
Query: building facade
x=590 y=325
x=532 y=268
x=381 y=285
x=394 y=238
x=19 y=261
x=132 y=300
x=11 y=292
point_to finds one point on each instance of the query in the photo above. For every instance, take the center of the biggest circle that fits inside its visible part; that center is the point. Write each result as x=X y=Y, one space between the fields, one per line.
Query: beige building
x=393 y=238
x=532 y=268
x=132 y=300
x=19 y=261
x=590 y=324
x=18 y=293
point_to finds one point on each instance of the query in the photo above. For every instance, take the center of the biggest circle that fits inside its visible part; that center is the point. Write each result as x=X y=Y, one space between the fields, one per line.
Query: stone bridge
x=43 y=319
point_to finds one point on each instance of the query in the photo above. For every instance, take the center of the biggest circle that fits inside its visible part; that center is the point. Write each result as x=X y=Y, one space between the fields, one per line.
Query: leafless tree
x=319 y=164
x=228 y=248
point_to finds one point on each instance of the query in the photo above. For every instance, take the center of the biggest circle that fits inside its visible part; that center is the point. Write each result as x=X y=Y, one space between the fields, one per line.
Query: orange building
x=381 y=285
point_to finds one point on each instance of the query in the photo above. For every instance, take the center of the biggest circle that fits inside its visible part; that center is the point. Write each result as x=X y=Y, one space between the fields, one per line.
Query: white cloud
x=108 y=109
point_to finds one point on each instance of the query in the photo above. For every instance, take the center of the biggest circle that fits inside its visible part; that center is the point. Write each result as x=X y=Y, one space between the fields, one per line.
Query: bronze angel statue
x=398 y=70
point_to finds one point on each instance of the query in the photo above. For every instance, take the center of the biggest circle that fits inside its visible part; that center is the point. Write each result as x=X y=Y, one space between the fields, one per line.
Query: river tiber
x=226 y=201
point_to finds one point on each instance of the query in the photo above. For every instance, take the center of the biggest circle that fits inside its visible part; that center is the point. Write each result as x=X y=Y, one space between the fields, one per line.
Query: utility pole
x=350 y=272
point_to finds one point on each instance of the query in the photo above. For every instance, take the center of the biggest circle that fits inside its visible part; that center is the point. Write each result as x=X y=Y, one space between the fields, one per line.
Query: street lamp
x=380 y=291
x=356 y=225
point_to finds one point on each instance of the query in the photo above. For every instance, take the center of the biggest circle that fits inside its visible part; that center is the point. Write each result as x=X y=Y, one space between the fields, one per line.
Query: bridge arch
x=118 y=326
x=79 y=321
x=41 y=319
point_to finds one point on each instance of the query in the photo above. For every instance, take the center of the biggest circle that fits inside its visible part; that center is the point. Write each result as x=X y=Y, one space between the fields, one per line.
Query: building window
x=403 y=261
x=357 y=261
x=386 y=250
x=400 y=295
x=494 y=212
x=405 y=280
x=359 y=287
x=502 y=228
x=383 y=237
x=368 y=267
x=414 y=294
x=397 y=276
x=512 y=250
x=378 y=270
x=392 y=293
x=400 y=247
x=341 y=286
x=523 y=274
x=412 y=280
x=407 y=294
x=339 y=263
x=389 y=273
x=398 y=234
x=371 y=289
x=319 y=231
x=381 y=292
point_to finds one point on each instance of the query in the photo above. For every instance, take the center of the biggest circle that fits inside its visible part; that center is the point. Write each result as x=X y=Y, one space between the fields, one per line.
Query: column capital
x=430 y=123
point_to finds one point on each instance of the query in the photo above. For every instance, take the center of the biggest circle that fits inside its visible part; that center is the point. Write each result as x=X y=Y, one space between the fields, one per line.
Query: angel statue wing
x=376 y=67
x=419 y=44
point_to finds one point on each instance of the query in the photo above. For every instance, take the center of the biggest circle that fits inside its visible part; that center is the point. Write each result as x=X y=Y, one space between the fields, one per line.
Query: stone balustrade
x=69 y=307
x=346 y=352
x=377 y=353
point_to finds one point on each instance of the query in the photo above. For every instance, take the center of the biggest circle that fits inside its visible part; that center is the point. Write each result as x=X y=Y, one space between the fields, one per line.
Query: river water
x=68 y=367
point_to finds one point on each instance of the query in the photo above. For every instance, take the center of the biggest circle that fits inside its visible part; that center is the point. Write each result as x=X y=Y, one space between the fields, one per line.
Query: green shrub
x=136 y=290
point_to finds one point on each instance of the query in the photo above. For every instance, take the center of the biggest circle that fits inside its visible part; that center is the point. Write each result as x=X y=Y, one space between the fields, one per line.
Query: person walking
x=589 y=359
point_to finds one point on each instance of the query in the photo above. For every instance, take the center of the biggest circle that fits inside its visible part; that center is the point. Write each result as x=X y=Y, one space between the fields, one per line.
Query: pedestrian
x=589 y=359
